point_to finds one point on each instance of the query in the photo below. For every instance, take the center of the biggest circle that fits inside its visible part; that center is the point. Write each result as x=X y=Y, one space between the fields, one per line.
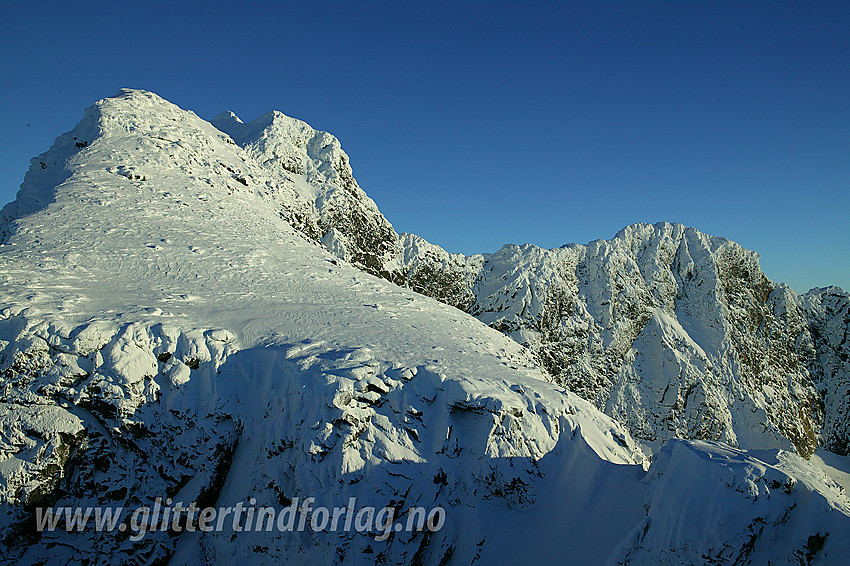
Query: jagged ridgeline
x=217 y=313
x=675 y=333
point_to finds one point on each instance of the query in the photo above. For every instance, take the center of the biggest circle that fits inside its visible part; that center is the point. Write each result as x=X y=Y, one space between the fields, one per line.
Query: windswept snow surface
x=166 y=332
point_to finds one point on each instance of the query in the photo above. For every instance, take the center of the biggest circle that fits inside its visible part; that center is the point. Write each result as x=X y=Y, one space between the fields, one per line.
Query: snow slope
x=166 y=331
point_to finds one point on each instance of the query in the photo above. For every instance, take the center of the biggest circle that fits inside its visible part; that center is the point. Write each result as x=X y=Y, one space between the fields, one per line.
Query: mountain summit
x=217 y=314
x=313 y=163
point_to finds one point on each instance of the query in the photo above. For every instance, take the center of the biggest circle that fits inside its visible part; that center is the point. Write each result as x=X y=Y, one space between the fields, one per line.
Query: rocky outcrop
x=432 y=271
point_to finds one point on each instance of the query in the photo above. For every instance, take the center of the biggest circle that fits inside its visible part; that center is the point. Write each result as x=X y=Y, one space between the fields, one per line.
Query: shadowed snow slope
x=165 y=331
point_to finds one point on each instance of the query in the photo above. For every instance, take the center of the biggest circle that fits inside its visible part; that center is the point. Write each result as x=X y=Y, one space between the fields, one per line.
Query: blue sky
x=476 y=125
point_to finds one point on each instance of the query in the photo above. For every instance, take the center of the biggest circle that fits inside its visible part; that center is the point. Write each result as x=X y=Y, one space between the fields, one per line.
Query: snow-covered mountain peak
x=291 y=144
x=141 y=111
x=676 y=332
x=158 y=312
x=313 y=164
x=145 y=141
x=230 y=123
x=175 y=322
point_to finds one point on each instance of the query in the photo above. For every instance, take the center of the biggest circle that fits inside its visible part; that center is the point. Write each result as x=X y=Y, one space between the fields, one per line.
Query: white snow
x=155 y=302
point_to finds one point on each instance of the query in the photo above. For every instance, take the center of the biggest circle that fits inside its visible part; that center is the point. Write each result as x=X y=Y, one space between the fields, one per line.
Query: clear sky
x=475 y=125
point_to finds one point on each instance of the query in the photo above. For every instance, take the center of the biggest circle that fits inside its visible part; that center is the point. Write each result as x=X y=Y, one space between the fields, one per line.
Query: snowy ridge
x=826 y=344
x=313 y=164
x=165 y=331
x=779 y=493
x=675 y=333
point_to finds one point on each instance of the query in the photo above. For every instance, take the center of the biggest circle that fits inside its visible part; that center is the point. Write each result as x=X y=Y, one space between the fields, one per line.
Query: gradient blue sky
x=476 y=125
